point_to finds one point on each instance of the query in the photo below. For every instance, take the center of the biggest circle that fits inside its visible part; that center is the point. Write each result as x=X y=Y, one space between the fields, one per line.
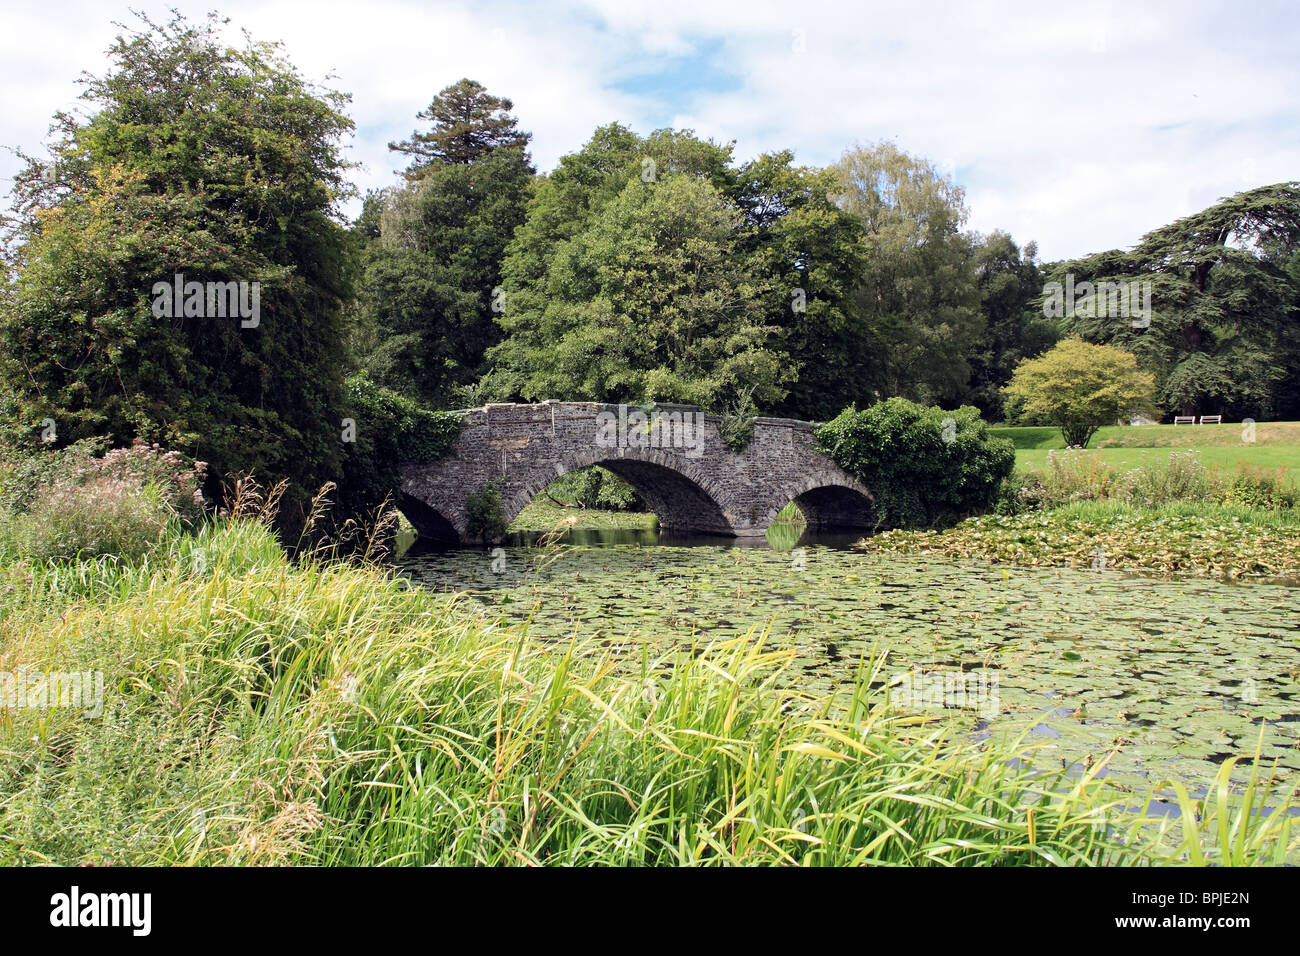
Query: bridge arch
x=845 y=506
x=683 y=497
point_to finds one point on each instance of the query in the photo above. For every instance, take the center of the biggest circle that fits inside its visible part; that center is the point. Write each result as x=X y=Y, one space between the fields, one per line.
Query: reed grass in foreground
x=259 y=710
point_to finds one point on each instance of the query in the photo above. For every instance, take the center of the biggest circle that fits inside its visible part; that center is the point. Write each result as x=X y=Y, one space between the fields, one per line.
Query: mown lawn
x=542 y=514
x=1276 y=444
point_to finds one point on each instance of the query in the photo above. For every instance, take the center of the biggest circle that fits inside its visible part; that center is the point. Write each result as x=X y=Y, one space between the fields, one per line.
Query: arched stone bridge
x=674 y=457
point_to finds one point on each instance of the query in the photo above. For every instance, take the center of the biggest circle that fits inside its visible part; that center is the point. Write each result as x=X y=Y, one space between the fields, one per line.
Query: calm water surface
x=1179 y=674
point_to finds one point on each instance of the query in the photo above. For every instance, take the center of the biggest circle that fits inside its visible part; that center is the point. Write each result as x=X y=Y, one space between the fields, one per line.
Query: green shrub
x=71 y=504
x=737 y=428
x=925 y=466
x=389 y=429
x=1256 y=487
x=1019 y=493
x=738 y=419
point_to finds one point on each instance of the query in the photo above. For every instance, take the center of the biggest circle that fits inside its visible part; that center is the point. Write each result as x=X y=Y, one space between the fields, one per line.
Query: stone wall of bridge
x=682 y=468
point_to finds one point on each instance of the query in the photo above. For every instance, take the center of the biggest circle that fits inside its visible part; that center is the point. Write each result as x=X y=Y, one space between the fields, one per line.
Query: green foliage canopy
x=1079 y=387
x=916 y=301
x=219 y=163
x=1009 y=285
x=650 y=269
x=433 y=249
x=390 y=430
x=1223 y=333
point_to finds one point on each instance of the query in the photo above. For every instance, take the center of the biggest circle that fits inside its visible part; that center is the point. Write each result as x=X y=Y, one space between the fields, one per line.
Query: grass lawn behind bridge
x=1276 y=445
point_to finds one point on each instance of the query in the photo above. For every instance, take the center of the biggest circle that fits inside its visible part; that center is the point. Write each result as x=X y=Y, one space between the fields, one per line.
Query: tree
x=916 y=298
x=651 y=302
x=630 y=281
x=1219 y=323
x=562 y=205
x=813 y=254
x=1287 y=406
x=1079 y=387
x=468 y=123
x=792 y=255
x=1010 y=287
x=220 y=164
x=432 y=248
x=433 y=269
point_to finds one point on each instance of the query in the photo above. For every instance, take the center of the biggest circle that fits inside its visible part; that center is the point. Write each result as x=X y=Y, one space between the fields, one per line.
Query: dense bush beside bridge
x=386 y=430
x=925 y=466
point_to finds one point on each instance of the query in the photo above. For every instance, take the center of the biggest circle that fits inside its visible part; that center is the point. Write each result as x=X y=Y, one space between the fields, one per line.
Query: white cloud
x=1081 y=127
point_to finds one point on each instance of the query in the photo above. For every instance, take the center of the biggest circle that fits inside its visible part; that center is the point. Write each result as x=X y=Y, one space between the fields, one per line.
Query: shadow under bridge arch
x=683 y=504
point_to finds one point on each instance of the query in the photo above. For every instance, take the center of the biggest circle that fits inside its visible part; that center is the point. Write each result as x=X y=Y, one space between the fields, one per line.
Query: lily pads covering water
x=1173 y=675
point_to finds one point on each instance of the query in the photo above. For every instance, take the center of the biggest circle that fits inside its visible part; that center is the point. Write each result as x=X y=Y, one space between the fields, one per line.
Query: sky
x=1079 y=126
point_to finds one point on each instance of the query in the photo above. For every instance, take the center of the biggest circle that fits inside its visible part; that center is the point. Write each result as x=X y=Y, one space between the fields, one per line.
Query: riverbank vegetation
x=261 y=709
x=1170 y=514
x=1230 y=542
x=267 y=702
x=645 y=267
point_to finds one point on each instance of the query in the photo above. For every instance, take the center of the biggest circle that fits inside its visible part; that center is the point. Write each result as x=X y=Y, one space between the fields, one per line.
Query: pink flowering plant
x=74 y=503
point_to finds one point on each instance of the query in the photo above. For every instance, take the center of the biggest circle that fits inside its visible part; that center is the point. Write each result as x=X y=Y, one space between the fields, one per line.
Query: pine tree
x=468 y=122
x=433 y=263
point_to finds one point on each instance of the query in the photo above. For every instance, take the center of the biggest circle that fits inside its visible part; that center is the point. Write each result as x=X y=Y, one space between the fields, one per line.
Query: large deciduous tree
x=218 y=163
x=652 y=302
x=916 y=300
x=576 y=326
x=813 y=254
x=756 y=316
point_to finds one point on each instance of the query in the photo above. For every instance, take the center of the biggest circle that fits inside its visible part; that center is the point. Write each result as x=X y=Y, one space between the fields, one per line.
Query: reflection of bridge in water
x=675 y=459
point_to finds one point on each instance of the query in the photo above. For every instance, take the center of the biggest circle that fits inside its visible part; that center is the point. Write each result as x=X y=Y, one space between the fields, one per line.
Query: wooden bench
x=1184 y=419
x=1211 y=419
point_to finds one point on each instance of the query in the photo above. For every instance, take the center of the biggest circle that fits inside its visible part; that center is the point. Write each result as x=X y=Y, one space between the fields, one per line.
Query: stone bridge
x=673 y=456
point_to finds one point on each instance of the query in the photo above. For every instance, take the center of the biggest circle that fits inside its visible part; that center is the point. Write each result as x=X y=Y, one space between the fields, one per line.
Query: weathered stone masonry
x=713 y=492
